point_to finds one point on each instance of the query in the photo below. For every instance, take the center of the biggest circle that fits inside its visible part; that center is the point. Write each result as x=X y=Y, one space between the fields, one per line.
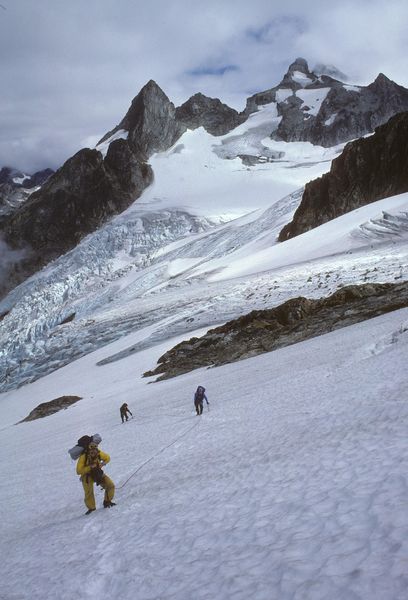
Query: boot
x=88 y=512
x=108 y=504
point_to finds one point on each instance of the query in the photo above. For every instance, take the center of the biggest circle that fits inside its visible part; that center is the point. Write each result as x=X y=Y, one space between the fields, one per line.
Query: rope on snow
x=159 y=452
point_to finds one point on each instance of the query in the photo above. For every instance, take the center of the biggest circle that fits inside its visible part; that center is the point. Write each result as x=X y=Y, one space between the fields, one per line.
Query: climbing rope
x=159 y=452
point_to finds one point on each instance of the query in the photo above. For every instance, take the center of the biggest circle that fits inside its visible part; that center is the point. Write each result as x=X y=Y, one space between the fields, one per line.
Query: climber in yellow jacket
x=89 y=467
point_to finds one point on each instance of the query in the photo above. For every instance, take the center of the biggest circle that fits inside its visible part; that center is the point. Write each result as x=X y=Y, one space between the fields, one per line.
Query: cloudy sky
x=70 y=68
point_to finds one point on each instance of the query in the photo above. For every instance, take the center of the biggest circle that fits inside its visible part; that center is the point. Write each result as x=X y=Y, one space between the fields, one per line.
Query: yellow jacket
x=83 y=468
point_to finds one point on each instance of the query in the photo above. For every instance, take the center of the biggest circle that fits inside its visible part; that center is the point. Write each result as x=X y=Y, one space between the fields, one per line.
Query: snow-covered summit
x=318 y=107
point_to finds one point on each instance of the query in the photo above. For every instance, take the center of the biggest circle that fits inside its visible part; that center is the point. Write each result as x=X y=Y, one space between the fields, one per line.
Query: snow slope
x=293 y=486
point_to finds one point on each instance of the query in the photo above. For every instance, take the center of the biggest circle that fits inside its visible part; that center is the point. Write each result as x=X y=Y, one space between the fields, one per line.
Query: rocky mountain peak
x=151 y=93
x=338 y=112
x=298 y=75
x=382 y=79
x=383 y=85
x=150 y=122
x=152 y=87
x=200 y=110
x=299 y=64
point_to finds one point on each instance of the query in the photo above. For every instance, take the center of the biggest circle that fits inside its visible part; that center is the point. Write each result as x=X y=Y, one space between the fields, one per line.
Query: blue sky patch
x=215 y=71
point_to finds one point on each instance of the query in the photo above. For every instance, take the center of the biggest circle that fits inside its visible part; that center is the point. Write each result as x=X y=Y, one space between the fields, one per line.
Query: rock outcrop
x=294 y=321
x=78 y=198
x=216 y=118
x=49 y=408
x=368 y=169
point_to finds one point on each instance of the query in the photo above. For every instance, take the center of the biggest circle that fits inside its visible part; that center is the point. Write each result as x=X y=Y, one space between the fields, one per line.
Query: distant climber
x=199 y=398
x=124 y=410
x=89 y=467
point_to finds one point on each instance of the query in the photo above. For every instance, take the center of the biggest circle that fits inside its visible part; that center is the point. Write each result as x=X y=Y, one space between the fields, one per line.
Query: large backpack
x=199 y=395
x=82 y=445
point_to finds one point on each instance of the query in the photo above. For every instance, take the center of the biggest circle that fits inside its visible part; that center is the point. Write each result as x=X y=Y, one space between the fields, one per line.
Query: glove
x=97 y=475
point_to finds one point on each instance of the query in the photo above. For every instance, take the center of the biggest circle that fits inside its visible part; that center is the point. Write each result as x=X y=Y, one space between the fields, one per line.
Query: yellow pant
x=88 y=485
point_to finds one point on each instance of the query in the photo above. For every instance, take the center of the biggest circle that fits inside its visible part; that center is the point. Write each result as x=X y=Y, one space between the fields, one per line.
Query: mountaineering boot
x=88 y=512
x=108 y=504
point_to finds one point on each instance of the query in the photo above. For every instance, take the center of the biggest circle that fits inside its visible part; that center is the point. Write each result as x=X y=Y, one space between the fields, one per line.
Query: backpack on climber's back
x=82 y=445
x=199 y=395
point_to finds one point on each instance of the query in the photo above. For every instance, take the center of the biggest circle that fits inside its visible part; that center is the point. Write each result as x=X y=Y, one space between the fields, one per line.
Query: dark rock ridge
x=368 y=169
x=86 y=191
x=216 y=118
x=77 y=199
x=344 y=113
x=49 y=408
x=150 y=122
x=296 y=320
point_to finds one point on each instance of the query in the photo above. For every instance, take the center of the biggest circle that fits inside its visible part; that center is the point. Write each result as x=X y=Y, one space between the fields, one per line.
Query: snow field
x=292 y=486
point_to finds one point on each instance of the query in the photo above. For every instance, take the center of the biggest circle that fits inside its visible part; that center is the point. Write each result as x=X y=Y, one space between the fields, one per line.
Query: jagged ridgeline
x=96 y=184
